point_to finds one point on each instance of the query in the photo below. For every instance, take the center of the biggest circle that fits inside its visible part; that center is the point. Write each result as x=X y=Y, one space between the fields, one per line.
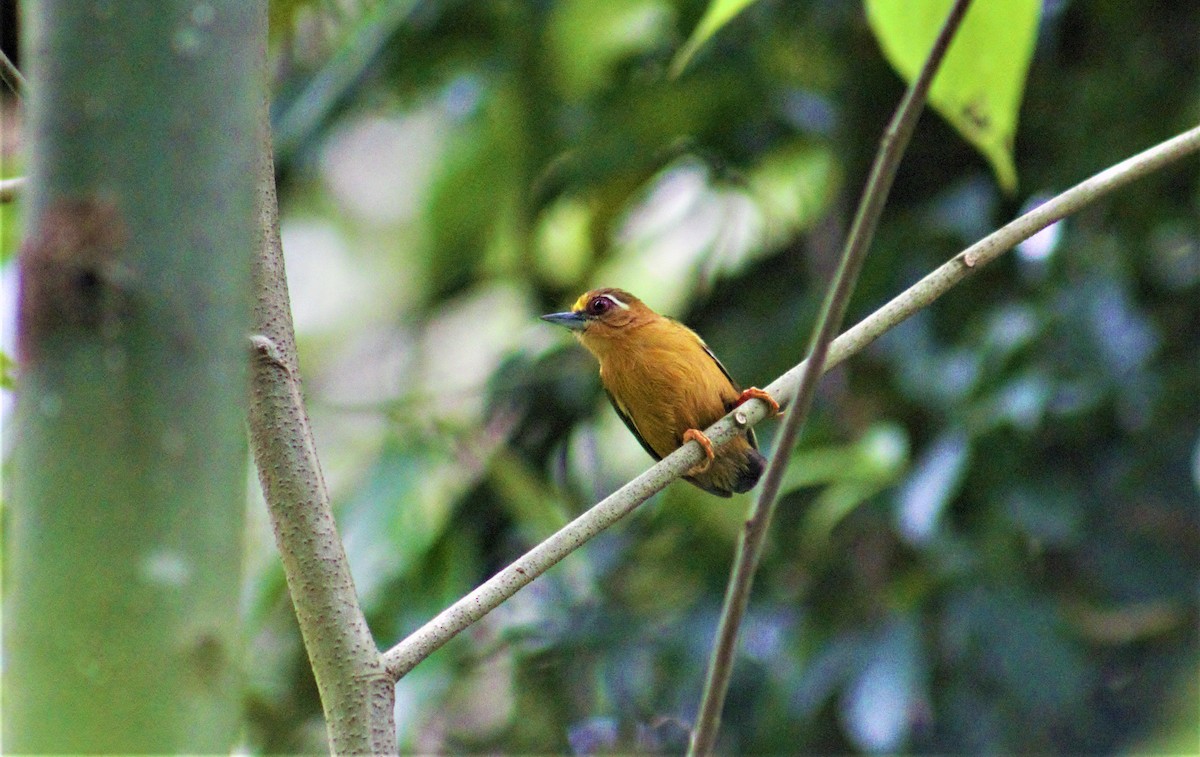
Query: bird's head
x=601 y=315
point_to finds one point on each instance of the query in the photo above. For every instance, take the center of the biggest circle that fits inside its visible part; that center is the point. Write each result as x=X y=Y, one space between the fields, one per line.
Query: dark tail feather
x=750 y=473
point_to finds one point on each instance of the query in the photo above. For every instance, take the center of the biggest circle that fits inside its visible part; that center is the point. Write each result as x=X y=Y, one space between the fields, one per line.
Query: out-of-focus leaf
x=596 y=735
x=979 y=86
x=829 y=669
x=932 y=485
x=876 y=458
x=446 y=571
x=854 y=474
x=965 y=209
x=7 y=369
x=1048 y=513
x=483 y=325
x=832 y=505
x=401 y=508
x=474 y=197
x=1124 y=337
x=532 y=504
x=931 y=374
x=1125 y=624
x=562 y=241
x=1020 y=642
x=793 y=187
x=587 y=39
x=1175 y=260
x=719 y=13
x=11 y=166
x=879 y=704
x=1177 y=734
x=1010 y=328
x=303 y=114
x=666 y=236
x=1021 y=401
x=281 y=15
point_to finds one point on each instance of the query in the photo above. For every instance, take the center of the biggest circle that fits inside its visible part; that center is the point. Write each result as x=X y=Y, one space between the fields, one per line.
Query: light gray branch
x=356 y=695
x=11 y=76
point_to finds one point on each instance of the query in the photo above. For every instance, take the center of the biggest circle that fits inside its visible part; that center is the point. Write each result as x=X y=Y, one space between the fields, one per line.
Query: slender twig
x=750 y=546
x=356 y=694
x=405 y=655
x=11 y=76
x=11 y=188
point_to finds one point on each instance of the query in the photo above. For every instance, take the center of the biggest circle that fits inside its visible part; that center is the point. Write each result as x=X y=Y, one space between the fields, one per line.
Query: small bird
x=666 y=385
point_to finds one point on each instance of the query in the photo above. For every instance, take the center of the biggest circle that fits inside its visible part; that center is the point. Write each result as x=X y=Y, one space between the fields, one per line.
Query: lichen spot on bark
x=70 y=278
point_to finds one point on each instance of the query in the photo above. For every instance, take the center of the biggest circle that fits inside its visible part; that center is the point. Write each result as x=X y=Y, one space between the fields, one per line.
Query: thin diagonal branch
x=11 y=76
x=405 y=655
x=754 y=534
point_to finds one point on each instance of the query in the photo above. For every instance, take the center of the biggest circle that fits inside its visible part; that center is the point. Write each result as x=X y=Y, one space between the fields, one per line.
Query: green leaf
x=302 y=117
x=719 y=13
x=794 y=185
x=281 y=15
x=8 y=369
x=851 y=475
x=399 y=511
x=474 y=197
x=979 y=87
x=879 y=457
x=536 y=507
x=588 y=40
x=831 y=507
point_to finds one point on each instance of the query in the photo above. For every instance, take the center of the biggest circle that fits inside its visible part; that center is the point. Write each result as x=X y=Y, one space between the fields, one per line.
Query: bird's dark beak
x=572 y=320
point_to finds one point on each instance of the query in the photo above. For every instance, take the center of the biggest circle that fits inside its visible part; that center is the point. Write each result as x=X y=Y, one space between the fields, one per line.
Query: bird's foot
x=754 y=393
x=693 y=435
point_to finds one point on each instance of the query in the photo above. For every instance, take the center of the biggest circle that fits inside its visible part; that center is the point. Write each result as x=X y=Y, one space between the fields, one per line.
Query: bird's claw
x=754 y=393
x=692 y=435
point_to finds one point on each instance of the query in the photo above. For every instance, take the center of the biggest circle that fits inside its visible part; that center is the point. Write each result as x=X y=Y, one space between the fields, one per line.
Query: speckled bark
x=124 y=520
x=356 y=694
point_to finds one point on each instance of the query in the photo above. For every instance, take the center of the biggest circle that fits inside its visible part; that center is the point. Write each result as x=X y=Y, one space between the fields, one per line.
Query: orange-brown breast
x=661 y=376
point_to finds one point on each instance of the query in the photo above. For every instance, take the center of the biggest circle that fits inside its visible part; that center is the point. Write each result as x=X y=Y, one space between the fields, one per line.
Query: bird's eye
x=599 y=306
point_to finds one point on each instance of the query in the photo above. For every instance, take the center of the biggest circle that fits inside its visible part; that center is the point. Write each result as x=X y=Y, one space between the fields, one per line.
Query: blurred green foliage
x=991 y=535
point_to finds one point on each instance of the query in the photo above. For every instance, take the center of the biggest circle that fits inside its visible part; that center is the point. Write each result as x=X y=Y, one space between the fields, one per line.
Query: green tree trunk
x=128 y=490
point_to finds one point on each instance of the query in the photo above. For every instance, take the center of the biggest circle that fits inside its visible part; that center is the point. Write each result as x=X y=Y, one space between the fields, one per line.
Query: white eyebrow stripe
x=616 y=302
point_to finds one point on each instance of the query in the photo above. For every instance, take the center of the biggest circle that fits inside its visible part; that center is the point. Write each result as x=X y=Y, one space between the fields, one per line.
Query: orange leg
x=754 y=393
x=692 y=435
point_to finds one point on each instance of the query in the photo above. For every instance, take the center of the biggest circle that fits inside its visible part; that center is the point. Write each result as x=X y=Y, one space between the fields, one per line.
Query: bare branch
x=11 y=76
x=356 y=695
x=754 y=534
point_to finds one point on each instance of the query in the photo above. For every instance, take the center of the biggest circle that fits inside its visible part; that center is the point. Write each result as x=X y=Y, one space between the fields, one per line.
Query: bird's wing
x=720 y=365
x=749 y=432
x=631 y=426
